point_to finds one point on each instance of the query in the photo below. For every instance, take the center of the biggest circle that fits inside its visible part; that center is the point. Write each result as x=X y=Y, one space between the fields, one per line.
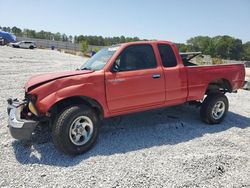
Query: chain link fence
x=43 y=43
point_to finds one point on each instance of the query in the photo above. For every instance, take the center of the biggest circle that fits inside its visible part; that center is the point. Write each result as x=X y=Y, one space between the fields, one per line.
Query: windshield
x=100 y=59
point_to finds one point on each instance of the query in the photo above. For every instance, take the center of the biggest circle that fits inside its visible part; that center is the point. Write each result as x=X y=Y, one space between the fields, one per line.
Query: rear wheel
x=214 y=108
x=75 y=130
x=31 y=47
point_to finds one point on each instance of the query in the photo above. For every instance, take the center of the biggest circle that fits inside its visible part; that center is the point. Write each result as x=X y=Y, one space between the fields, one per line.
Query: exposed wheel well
x=76 y=100
x=219 y=85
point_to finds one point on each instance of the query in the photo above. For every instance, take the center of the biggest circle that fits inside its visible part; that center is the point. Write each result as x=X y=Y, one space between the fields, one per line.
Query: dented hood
x=40 y=79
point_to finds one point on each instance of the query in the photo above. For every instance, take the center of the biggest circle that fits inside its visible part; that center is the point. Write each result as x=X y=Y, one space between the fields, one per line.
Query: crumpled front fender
x=57 y=90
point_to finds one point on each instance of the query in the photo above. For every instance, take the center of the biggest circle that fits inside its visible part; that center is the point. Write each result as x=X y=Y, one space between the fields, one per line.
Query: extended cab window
x=167 y=55
x=136 y=57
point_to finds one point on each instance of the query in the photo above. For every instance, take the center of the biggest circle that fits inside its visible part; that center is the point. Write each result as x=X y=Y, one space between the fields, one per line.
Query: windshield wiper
x=86 y=68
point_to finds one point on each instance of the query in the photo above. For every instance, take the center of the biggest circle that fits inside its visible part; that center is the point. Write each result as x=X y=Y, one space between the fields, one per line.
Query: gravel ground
x=161 y=148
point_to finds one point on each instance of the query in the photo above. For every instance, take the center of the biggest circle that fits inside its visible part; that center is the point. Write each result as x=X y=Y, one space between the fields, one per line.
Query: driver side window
x=135 y=57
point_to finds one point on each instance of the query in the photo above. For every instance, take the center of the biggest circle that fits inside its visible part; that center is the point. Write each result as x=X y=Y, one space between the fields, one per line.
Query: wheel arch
x=76 y=100
x=219 y=85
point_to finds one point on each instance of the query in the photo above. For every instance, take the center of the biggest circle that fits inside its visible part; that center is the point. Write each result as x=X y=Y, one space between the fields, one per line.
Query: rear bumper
x=20 y=129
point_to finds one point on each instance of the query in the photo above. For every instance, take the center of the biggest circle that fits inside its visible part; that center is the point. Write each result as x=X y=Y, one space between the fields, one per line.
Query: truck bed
x=199 y=77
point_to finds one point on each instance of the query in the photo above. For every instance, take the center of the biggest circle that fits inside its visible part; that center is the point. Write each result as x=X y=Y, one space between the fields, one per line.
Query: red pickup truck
x=120 y=79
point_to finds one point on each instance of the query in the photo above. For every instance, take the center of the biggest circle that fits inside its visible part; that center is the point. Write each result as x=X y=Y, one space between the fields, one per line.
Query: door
x=137 y=80
x=27 y=44
x=175 y=76
x=22 y=45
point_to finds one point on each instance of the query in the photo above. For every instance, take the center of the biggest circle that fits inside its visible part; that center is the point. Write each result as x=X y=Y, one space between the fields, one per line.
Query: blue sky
x=174 y=20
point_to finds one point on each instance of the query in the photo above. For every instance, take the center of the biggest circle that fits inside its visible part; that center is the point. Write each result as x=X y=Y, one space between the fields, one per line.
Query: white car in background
x=24 y=44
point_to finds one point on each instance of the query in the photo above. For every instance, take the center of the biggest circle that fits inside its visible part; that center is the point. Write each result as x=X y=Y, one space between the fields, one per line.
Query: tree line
x=91 y=40
x=225 y=47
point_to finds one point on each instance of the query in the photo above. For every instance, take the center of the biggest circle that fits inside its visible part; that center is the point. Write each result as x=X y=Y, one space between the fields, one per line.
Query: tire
x=31 y=47
x=65 y=131
x=214 y=108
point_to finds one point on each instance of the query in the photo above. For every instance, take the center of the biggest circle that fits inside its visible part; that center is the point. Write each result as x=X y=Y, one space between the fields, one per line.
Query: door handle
x=154 y=76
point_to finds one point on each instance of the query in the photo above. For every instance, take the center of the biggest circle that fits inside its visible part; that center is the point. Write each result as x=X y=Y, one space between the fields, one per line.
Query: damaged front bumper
x=20 y=129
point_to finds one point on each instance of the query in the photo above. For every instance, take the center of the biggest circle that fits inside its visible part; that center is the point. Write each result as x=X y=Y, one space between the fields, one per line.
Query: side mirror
x=114 y=68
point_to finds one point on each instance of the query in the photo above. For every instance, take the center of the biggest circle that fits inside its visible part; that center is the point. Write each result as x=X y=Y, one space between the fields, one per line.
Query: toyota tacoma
x=120 y=79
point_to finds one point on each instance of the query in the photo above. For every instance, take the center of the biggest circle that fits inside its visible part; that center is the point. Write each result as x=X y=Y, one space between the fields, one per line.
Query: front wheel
x=214 y=108
x=75 y=130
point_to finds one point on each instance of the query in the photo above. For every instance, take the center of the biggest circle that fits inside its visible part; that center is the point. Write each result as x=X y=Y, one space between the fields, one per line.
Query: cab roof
x=148 y=42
